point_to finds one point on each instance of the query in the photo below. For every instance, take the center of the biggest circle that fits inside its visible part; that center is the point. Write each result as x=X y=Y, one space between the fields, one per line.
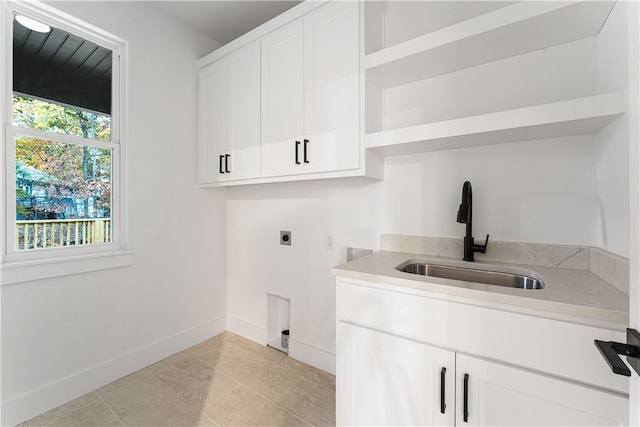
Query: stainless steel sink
x=512 y=279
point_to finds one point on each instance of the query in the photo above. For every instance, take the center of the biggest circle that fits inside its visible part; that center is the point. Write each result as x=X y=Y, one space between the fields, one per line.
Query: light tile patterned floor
x=224 y=381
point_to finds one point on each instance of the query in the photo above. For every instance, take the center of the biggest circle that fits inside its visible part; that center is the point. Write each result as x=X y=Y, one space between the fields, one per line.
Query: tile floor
x=224 y=381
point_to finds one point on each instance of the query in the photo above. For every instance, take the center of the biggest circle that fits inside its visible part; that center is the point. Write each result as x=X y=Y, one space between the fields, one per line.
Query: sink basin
x=512 y=279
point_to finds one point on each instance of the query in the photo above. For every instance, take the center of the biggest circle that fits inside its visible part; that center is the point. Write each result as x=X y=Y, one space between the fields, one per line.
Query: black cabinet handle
x=226 y=163
x=443 y=405
x=610 y=351
x=297 y=158
x=221 y=159
x=465 y=399
x=306 y=142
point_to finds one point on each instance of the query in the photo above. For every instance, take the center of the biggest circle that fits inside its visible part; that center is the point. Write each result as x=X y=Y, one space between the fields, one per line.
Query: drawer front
x=562 y=349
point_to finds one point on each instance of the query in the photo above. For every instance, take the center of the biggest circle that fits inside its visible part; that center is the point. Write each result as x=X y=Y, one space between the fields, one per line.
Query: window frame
x=24 y=265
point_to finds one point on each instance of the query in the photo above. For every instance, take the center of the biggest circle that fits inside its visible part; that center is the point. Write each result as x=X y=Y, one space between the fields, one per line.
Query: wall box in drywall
x=278 y=309
x=285 y=238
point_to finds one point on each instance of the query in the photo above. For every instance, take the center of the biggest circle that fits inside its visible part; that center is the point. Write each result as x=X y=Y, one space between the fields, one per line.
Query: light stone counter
x=569 y=292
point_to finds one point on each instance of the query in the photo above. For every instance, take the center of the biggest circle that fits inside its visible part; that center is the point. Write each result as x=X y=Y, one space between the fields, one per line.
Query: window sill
x=27 y=271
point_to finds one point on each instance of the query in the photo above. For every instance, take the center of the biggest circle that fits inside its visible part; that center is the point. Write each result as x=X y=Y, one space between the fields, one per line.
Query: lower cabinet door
x=386 y=380
x=501 y=395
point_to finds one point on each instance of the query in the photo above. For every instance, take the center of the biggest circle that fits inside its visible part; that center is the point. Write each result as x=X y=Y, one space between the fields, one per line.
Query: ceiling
x=61 y=67
x=224 y=21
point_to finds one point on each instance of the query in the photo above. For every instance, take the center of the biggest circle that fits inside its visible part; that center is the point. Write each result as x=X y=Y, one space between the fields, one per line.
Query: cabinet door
x=282 y=102
x=213 y=120
x=244 y=113
x=332 y=87
x=502 y=395
x=386 y=380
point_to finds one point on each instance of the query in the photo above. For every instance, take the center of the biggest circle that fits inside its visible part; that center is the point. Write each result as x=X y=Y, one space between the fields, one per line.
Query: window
x=62 y=138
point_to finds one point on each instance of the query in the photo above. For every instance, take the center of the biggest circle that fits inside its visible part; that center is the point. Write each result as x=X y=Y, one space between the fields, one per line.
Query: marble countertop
x=568 y=292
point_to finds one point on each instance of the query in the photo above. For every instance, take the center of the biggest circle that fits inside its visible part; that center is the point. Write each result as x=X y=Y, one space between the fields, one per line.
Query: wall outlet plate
x=328 y=240
x=285 y=238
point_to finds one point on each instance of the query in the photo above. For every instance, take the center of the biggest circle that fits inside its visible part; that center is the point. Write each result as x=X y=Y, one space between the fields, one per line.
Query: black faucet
x=465 y=214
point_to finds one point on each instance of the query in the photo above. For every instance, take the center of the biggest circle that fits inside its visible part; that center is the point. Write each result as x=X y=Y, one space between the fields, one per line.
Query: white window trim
x=23 y=266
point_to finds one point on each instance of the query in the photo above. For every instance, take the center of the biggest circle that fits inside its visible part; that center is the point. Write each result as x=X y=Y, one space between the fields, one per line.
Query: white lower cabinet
x=501 y=395
x=386 y=380
x=411 y=359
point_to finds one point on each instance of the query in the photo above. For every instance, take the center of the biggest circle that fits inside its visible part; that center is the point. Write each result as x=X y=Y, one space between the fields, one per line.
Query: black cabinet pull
x=297 y=158
x=226 y=163
x=306 y=142
x=443 y=405
x=465 y=399
x=610 y=351
x=221 y=159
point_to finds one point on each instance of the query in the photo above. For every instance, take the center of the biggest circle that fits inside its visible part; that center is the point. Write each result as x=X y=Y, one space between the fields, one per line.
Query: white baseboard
x=34 y=402
x=248 y=330
x=298 y=350
x=313 y=356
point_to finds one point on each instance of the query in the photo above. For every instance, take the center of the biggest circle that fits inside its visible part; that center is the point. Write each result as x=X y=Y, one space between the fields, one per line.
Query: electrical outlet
x=285 y=238
x=329 y=241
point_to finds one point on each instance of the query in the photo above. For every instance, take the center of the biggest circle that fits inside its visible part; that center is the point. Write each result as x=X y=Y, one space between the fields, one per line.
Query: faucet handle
x=483 y=248
x=478 y=248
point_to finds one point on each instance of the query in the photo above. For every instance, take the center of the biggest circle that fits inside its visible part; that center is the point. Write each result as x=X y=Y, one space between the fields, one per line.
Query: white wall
x=538 y=191
x=66 y=336
x=554 y=74
x=613 y=155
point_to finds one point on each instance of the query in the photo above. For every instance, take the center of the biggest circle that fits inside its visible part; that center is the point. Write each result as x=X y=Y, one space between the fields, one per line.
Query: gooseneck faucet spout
x=465 y=216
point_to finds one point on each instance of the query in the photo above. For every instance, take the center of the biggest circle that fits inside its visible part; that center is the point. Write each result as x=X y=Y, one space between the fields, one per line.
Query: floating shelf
x=505 y=32
x=558 y=119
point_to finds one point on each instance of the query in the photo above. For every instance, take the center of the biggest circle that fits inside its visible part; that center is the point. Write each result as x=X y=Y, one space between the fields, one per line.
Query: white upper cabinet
x=332 y=87
x=213 y=129
x=311 y=93
x=282 y=101
x=229 y=117
x=244 y=105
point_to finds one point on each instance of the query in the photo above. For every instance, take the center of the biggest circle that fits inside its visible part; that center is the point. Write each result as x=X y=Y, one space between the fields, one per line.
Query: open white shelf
x=509 y=31
x=558 y=119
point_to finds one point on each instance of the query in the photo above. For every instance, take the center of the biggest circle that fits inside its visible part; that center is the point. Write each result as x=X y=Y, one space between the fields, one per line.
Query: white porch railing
x=62 y=232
